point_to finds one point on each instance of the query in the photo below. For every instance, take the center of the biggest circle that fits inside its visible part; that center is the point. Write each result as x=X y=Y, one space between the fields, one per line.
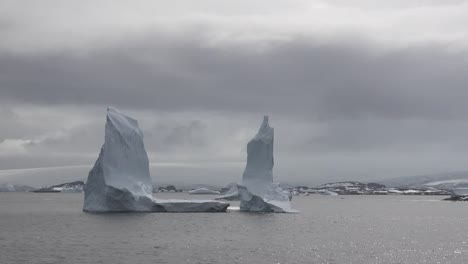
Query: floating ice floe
x=120 y=179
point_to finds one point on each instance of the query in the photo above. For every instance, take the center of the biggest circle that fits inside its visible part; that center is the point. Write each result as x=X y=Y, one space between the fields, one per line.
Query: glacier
x=120 y=180
x=257 y=191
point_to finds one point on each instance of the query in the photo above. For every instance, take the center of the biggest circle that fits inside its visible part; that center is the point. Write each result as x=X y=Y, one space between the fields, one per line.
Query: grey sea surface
x=51 y=228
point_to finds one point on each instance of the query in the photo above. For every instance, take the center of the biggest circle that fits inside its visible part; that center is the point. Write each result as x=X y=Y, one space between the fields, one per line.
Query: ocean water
x=51 y=228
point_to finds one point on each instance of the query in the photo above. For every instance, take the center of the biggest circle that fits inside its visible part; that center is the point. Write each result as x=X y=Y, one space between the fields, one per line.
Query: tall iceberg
x=259 y=169
x=258 y=192
x=120 y=180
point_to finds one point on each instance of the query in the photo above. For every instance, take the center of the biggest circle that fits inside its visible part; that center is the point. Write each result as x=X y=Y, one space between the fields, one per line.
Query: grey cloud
x=192 y=134
x=394 y=3
x=7 y=116
x=383 y=135
x=169 y=135
x=11 y=127
x=37 y=160
x=85 y=138
x=340 y=80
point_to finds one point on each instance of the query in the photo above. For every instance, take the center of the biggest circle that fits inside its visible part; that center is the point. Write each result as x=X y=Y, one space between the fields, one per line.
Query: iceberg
x=258 y=192
x=120 y=180
x=231 y=195
x=458 y=194
x=258 y=173
x=274 y=200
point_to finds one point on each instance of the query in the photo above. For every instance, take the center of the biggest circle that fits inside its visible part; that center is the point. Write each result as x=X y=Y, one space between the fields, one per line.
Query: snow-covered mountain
x=76 y=186
x=444 y=181
x=351 y=184
x=351 y=187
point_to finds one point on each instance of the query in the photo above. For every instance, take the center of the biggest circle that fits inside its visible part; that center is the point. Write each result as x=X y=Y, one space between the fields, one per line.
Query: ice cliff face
x=120 y=179
x=258 y=192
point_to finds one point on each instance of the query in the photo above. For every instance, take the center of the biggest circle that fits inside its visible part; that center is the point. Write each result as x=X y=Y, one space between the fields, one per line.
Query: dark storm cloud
x=340 y=80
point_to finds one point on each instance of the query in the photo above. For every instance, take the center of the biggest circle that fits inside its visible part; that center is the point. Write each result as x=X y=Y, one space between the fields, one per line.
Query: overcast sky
x=356 y=89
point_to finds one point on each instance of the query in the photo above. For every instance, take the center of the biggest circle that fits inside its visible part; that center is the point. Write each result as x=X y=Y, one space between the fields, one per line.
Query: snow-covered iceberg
x=120 y=179
x=258 y=192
